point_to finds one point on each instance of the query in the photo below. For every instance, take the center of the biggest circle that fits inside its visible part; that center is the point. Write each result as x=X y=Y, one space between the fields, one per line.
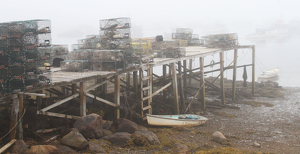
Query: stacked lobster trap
x=187 y=34
x=19 y=57
x=221 y=40
x=168 y=49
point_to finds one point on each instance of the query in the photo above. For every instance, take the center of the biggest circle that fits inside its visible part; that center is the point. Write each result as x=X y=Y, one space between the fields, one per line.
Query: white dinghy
x=269 y=73
x=176 y=120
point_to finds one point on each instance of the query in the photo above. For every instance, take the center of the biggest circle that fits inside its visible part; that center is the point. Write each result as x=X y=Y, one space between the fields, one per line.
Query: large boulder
x=125 y=125
x=149 y=136
x=44 y=149
x=65 y=149
x=106 y=132
x=64 y=131
x=90 y=126
x=96 y=148
x=106 y=125
x=218 y=137
x=180 y=148
x=19 y=147
x=74 y=139
x=119 y=138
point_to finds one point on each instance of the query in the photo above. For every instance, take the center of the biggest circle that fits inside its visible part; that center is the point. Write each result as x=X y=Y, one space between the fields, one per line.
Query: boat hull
x=173 y=120
x=269 y=74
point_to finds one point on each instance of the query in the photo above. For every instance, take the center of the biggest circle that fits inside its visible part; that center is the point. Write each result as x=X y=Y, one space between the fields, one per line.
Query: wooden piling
x=253 y=70
x=20 y=128
x=150 y=71
x=202 y=84
x=135 y=81
x=82 y=99
x=74 y=88
x=175 y=87
x=184 y=75
x=39 y=99
x=234 y=74
x=117 y=97
x=128 y=83
x=222 y=77
x=164 y=78
x=180 y=86
x=14 y=116
x=190 y=68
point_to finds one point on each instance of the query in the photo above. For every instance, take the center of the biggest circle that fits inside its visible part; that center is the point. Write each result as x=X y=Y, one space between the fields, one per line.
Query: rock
x=125 y=125
x=149 y=136
x=119 y=138
x=106 y=126
x=44 y=149
x=64 y=131
x=96 y=148
x=180 y=148
x=89 y=126
x=218 y=137
x=19 y=147
x=74 y=139
x=106 y=132
x=143 y=128
x=255 y=144
x=65 y=149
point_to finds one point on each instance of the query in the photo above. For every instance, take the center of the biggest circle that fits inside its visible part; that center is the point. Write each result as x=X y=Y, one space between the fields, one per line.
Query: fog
x=73 y=20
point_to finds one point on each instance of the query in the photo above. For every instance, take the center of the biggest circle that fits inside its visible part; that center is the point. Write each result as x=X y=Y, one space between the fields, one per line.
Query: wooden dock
x=179 y=81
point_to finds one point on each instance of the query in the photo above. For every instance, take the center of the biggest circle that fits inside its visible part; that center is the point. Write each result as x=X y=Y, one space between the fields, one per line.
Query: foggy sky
x=74 y=19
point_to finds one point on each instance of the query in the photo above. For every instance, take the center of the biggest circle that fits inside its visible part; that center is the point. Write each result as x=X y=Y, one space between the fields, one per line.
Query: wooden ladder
x=146 y=92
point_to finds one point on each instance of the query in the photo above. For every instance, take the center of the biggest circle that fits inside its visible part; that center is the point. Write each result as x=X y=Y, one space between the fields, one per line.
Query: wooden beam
x=59 y=102
x=20 y=128
x=5 y=147
x=40 y=99
x=184 y=75
x=175 y=87
x=128 y=83
x=58 y=115
x=117 y=96
x=222 y=77
x=74 y=88
x=190 y=68
x=101 y=100
x=150 y=90
x=202 y=91
x=157 y=91
x=82 y=99
x=164 y=79
x=14 y=116
x=63 y=89
x=31 y=94
x=180 y=86
x=97 y=85
x=234 y=74
x=253 y=70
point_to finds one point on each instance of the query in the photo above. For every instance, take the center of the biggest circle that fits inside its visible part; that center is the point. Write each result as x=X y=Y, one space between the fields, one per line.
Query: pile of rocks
x=86 y=131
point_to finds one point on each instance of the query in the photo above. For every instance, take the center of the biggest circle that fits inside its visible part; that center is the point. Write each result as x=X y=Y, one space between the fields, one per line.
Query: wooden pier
x=178 y=78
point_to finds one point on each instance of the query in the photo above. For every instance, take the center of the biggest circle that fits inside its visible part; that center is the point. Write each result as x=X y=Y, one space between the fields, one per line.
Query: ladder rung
x=146 y=88
x=146 y=78
x=147 y=107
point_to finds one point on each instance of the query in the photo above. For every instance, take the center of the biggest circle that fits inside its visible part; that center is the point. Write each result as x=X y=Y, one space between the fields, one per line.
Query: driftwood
x=7 y=145
x=52 y=139
x=43 y=131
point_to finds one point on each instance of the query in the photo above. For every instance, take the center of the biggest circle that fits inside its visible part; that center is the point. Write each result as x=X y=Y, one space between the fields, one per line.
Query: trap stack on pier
x=19 y=54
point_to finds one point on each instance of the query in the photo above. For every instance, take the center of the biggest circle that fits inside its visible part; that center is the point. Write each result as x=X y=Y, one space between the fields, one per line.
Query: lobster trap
x=4 y=74
x=90 y=42
x=34 y=39
x=115 y=23
x=221 y=40
x=76 y=65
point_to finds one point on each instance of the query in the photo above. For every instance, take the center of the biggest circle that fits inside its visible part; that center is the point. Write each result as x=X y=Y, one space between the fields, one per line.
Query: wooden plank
x=234 y=74
x=117 y=97
x=39 y=99
x=59 y=102
x=253 y=70
x=146 y=88
x=222 y=78
x=82 y=99
x=135 y=81
x=128 y=83
x=150 y=71
x=158 y=91
x=97 y=85
x=146 y=78
x=147 y=107
x=101 y=100
x=190 y=68
x=58 y=115
x=14 y=116
x=175 y=87
x=31 y=94
x=6 y=146
x=184 y=75
x=164 y=79
x=202 y=91
x=20 y=128
x=141 y=75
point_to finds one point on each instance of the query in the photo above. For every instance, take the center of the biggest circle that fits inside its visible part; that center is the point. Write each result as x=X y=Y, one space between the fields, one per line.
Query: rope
x=194 y=97
x=14 y=126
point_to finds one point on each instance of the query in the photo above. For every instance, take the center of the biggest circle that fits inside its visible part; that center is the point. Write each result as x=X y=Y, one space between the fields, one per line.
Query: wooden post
x=74 y=88
x=222 y=77
x=164 y=78
x=175 y=87
x=128 y=83
x=234 y=74
x=39 y=99
x=14 y=116
x=135 y=82
x=150 y=90
x=20 y=135
x=190 y=73
x=63 y=89
x=117 y=97
x=184 y=75
x=82 y=99
x=170 y=71
x=104 y=88
x=100 y=88
x=202 y=91
x=180 y=86
x=253 y=70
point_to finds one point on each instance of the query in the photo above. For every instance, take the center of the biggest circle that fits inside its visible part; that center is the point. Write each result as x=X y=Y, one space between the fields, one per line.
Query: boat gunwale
x=157 y=116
